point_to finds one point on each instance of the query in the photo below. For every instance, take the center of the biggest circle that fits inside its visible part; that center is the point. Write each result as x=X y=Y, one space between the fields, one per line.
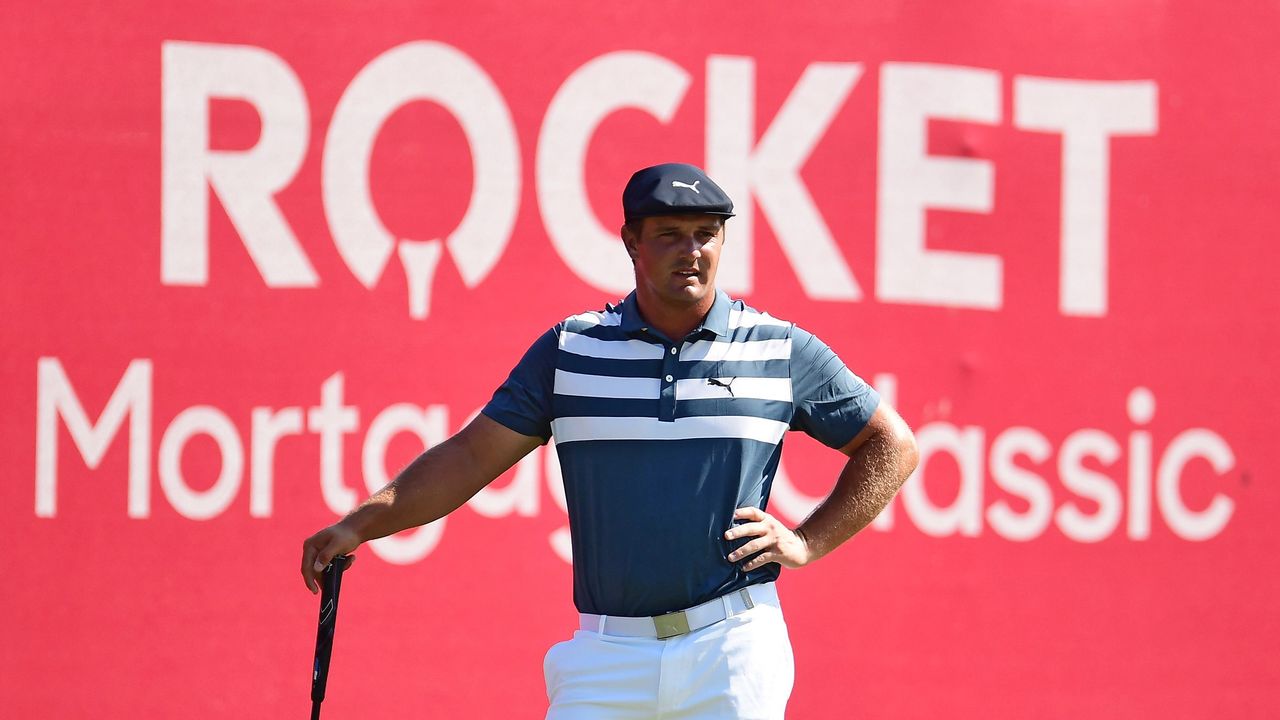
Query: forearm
x=435 y=484
x=874 y=472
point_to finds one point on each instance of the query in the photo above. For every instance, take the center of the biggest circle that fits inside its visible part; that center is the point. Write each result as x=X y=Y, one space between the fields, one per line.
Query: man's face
x=676 y=256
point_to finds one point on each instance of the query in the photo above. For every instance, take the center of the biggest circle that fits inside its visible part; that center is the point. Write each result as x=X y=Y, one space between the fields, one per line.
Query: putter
x=331 y=583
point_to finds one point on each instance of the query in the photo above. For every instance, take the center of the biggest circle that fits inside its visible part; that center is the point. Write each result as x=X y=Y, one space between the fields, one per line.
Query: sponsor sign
x=255 y=262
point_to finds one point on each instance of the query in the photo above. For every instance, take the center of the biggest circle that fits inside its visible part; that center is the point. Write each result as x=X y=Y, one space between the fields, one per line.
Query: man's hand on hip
x=774 y=541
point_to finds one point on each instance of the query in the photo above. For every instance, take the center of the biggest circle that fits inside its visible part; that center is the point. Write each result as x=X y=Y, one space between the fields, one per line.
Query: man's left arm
x=881 y=457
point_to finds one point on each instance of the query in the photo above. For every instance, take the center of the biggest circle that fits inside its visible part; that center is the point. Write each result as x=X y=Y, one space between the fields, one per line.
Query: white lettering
x=331 y=420
x=267 y=427
x=770 y=171
x=1020 y=482
x=1142 y=407
x=1190 y=444
x=206 y=504
x=1091 y=485
x=245 y=181
x=1083 y=461
x=55 y=398
x=593 y=92
x=1087 y=113
x=438 y=73
x=964 y=514
x=912 y=182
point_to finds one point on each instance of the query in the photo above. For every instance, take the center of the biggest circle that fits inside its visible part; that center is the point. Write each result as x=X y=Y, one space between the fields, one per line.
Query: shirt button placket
x=667 y=392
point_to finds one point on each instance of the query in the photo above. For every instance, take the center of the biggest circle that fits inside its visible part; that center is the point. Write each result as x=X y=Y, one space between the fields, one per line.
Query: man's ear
x=628 y=241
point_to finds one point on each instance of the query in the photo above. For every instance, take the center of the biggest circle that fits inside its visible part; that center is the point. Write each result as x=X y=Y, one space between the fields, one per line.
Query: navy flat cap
x=673 y=189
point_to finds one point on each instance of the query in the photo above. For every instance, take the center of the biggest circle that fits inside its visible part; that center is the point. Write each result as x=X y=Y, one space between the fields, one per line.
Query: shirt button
x=669 y=378
x=673 y=351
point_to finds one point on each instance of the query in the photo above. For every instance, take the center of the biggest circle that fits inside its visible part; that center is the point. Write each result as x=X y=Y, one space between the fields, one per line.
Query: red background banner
x=256 y=258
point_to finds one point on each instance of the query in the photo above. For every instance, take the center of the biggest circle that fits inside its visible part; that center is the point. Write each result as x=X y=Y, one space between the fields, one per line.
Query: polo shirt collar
x=716 y=321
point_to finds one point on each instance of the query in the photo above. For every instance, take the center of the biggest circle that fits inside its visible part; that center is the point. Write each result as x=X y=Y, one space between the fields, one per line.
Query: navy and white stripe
x=660 y=439
x=609 y=380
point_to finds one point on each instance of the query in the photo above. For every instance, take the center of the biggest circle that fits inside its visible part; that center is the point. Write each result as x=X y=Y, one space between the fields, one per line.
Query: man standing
x=668 y=412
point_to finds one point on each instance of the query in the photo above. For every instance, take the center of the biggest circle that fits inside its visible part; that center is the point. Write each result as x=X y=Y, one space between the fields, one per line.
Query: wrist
x=809 y=544
x=352 y=526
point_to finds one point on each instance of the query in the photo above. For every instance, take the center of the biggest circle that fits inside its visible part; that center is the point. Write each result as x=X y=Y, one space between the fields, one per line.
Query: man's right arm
x=435 y=484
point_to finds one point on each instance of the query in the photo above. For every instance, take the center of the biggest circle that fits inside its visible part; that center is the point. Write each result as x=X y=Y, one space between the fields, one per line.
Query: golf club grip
x=330 y=585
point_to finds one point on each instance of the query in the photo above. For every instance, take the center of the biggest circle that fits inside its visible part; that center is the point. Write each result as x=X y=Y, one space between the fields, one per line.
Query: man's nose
x=690 y=246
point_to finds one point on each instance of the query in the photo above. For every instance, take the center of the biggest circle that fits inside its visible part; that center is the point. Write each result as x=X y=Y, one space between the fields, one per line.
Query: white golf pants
x=740 y=667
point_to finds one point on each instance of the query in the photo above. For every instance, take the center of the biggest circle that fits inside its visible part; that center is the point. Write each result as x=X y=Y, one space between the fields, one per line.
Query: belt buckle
x=671 y=624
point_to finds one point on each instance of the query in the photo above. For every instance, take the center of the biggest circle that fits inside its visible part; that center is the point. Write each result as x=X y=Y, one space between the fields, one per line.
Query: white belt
x=681 y=622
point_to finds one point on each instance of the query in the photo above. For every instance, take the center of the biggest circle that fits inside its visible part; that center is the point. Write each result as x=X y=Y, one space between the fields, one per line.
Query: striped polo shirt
x=660 y=441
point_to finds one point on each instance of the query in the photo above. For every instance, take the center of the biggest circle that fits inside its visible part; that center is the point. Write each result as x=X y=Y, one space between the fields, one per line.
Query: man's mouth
x=687 y=273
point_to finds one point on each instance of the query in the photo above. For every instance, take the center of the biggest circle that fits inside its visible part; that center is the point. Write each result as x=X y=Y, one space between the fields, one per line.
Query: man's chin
x=689 y=294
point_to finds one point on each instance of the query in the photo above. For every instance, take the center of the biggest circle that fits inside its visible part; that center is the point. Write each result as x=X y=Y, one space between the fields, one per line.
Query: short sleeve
x=831 y=404
x=523 y=402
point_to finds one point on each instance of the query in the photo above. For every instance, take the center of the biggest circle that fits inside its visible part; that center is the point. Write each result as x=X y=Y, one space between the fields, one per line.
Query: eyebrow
x=712 y=226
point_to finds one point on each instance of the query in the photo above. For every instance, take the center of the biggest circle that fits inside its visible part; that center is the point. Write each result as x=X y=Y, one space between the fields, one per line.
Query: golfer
x=668 y=412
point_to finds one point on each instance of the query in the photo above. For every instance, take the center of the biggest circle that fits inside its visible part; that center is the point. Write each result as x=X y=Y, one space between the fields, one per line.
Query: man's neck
x=675 y=322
